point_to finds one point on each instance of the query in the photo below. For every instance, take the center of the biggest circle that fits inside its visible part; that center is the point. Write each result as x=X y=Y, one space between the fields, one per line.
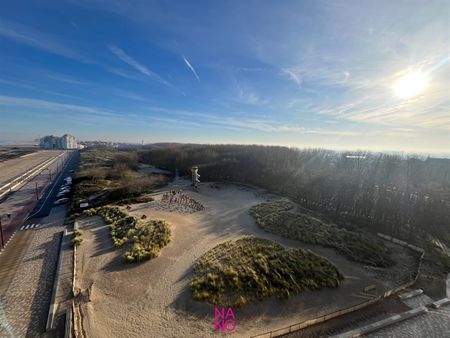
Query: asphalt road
x=28 y=263
x=45 y=204
x=13 y=168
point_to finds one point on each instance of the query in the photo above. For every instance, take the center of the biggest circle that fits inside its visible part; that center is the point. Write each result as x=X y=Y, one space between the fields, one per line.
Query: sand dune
x=152 y=299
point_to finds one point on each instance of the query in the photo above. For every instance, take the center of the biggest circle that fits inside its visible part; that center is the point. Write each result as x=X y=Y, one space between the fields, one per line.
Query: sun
x=411 y=84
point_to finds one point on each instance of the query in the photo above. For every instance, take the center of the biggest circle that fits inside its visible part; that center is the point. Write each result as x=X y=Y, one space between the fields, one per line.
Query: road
x=21 y=202
x=12 y=168
x=28 y=264
x=45 y=204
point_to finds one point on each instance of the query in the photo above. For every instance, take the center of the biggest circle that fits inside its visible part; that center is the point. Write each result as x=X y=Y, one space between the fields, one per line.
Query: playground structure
x=182 y=199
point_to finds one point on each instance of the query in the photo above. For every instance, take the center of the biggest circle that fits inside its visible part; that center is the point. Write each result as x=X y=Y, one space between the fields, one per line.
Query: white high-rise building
x=68 y=142
x=54 y=142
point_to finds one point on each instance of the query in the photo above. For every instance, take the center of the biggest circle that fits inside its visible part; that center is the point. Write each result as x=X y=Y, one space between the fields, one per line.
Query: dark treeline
x=404 y=196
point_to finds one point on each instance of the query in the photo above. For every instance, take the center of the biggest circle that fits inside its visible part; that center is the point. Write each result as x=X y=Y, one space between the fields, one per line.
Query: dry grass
x=250 y=268
x=145 y=240
x=78 y=238
x=281 y=218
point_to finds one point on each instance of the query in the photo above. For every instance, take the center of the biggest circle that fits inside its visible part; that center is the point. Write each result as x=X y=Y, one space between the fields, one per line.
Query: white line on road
x=28 y=174
x=54 y=185
x=27 y=226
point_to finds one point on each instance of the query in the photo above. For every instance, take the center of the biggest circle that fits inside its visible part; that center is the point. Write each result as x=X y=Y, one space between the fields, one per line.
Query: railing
x=328 y=316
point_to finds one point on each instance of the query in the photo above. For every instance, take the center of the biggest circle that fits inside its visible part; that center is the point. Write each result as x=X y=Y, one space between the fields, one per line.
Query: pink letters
x=224 y=322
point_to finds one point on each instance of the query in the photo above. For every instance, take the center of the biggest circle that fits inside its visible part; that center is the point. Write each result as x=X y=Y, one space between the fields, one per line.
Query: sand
x=152 y=299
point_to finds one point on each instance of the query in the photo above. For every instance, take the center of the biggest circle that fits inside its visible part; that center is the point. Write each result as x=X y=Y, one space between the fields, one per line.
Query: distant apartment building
x=55 y=142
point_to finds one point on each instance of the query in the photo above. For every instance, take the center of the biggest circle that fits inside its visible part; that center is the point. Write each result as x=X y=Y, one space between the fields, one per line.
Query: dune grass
x=144 y=239
x=250 y=268
x=283 y=219
x=77 y=238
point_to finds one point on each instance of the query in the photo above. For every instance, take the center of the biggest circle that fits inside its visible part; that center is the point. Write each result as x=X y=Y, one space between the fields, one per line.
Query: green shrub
x=146 y=240
x=238 y=272
x=77 y=238
x=282 y=219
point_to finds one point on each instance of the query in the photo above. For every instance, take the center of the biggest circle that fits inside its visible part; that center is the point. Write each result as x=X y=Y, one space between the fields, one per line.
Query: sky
x=294 y=73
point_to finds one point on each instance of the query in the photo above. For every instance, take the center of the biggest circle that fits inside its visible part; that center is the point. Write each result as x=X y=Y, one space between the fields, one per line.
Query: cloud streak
x=124 y=57
x=129 y=60
x=186 y=61
x=33 y=38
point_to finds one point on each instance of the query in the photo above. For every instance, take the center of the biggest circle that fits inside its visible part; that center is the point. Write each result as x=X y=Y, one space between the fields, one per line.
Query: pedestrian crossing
x=30 y=226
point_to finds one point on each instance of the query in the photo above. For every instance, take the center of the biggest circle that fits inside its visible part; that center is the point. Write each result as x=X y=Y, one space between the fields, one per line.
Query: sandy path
x=153 y=300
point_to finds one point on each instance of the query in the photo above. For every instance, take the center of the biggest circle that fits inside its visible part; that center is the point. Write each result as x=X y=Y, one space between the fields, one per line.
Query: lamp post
x=1 y=228
x=49 y=172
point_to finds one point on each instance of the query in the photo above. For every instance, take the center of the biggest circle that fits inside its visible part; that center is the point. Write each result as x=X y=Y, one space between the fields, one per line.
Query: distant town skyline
x=337 y=75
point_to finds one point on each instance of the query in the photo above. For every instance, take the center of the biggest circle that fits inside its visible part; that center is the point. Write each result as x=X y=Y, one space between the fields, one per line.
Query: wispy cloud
x=64 y=78
x=186 y=61
x=34 y=88
x=293 y=74
x=136 y=65
x=32 y=37
x=123 y=73
x=74 y=25
x=249 y=96
x=53 y=106
x=128 y=94
x=129 y=60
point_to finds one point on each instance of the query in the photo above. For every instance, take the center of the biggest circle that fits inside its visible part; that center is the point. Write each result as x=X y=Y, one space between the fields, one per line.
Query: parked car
x=61 y=201
x=65 y=187
x=72 y=171
x=62 y=194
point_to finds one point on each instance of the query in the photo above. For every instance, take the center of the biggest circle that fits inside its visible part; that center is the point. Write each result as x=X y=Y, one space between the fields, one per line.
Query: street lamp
x=8 y=215
x=49 y=172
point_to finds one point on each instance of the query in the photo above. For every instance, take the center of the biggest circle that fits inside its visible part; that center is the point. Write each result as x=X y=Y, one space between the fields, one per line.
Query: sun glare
x=411 y=84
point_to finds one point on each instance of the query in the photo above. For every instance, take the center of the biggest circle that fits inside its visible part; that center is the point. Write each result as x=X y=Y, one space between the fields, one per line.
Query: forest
x=405 y=196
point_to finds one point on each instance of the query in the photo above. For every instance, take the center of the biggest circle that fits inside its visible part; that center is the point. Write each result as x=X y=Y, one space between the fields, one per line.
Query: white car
x=62 y=194
x=61 y=201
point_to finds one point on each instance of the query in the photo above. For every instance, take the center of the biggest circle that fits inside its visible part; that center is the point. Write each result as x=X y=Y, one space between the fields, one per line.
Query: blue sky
x=297 y=73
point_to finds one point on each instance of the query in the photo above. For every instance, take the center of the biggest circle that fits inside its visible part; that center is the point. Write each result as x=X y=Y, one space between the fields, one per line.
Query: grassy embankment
x=249 y=269
x=143 y=239
x=281 y=218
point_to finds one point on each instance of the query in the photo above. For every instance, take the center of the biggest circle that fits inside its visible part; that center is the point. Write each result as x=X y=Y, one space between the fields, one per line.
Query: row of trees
x=401 y=195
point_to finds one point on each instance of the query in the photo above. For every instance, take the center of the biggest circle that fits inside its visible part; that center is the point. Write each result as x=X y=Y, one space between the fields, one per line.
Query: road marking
x=54 y=183
x=30 y=226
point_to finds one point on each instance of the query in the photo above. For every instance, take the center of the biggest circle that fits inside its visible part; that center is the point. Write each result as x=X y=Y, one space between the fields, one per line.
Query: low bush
x=249 y=269
x=282 y=219
x=77 y=238
x=145 y=239
x=149 y=240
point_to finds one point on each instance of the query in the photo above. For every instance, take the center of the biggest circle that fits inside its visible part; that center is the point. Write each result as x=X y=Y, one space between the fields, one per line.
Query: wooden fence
x=335 y=314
